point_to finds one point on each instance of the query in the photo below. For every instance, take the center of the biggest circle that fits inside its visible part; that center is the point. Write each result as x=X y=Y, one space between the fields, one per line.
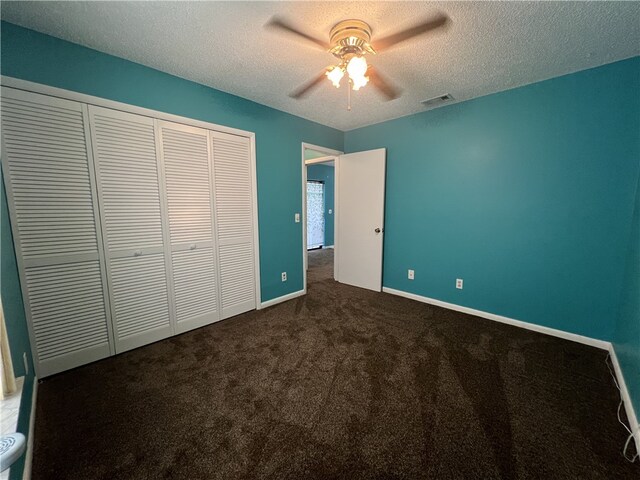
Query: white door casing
x=360 y=188
x=332 y=156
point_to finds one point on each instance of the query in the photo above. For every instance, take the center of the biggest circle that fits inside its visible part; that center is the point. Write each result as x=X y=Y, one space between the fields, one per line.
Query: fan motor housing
x=350 y=36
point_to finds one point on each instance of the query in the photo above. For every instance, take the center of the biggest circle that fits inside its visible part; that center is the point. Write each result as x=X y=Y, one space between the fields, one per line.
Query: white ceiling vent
x=437 y=101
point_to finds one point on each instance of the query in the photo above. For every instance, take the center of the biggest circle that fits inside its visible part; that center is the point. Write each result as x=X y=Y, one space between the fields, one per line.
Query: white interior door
x=51 y=193
x=360 y=181
x=130 y=193
x=234 y=222
x=186 y=161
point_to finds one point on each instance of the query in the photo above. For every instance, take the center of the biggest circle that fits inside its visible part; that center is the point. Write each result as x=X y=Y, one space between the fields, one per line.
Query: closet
x=128 y=228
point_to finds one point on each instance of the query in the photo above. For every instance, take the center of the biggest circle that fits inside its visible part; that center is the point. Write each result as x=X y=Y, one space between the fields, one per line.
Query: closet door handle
x=137 y=253
x=192 y=246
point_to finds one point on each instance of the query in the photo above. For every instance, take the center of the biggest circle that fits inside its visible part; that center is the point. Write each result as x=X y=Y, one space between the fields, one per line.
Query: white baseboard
x=626 y=398
x=593 y=342
x=28 y=459
x=499 y=318
x=328 y=246
x=284 y=298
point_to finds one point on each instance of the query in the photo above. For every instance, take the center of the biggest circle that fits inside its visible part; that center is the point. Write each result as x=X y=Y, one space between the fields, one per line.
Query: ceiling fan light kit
x=350 y=41
x=355 y=66
x=335 y=74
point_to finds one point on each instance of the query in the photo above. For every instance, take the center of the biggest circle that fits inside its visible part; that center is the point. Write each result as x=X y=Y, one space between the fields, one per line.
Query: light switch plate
x=411 y=274
x=330 y=211
x=297 y=218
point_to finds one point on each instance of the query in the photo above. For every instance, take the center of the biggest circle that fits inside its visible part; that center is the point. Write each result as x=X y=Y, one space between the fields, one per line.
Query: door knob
x=377 y=230
x=137 y=253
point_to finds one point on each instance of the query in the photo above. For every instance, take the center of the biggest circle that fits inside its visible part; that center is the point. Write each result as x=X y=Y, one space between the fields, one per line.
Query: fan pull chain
x=349 y=95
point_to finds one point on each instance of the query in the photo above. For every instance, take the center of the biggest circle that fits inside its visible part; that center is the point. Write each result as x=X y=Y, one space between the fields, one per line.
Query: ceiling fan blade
x=304 y=89
x=384 y=86
x=280 y=24
x=419 y=29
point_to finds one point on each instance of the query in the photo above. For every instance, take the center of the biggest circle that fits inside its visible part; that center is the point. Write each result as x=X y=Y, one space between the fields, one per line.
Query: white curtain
x=6 y=366
x=315 y=214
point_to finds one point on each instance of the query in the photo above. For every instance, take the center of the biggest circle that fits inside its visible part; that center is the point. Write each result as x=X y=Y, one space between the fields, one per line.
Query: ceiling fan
x=349 y=42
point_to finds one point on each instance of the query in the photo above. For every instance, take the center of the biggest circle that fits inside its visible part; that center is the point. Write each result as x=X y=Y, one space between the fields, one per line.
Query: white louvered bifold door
x=187 y=171
x=234 y=221
x=131 y=195
x=51 y=193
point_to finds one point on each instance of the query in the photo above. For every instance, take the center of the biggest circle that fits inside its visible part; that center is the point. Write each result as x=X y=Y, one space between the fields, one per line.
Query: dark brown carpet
x=342 y=383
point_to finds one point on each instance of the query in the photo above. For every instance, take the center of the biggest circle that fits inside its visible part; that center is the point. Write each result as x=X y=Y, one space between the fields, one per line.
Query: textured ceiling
x=488 y=47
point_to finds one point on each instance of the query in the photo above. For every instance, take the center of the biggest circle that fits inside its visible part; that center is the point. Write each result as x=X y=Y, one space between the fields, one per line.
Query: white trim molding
x=626 y=398
x=284 y=298
x=318 y=148
x=320 y=160
x=592 y=342
x=28 y=459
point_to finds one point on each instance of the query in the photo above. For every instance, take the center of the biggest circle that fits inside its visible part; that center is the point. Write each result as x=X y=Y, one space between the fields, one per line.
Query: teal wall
x=325 y=173
x=43 y=59
x=526 y=194
x=627 y=336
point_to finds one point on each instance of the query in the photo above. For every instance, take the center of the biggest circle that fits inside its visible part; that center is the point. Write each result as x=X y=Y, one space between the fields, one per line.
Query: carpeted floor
x=342 y=383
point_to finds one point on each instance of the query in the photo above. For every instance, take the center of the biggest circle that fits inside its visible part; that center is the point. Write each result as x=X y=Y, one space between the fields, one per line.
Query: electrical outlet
x=411 y=274
x=330 y=211
x=26 y=363
x=459 y=283
x=297 y=218
x=284 y=276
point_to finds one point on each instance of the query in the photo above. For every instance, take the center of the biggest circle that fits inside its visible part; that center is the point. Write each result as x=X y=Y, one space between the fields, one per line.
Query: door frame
x=331 y=156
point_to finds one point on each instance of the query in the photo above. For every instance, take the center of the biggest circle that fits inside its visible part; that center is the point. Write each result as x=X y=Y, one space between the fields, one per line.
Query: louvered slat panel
x=186 y=163
x=49 y=173
x=234 y=218
x=67 y=310
x=236 y=262
x=233 y=187
x=125 y=153
x=139 y=295
x=195 y=287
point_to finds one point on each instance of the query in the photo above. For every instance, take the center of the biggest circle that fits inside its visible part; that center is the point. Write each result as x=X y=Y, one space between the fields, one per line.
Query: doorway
x=318 y=181
x=356 y=222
